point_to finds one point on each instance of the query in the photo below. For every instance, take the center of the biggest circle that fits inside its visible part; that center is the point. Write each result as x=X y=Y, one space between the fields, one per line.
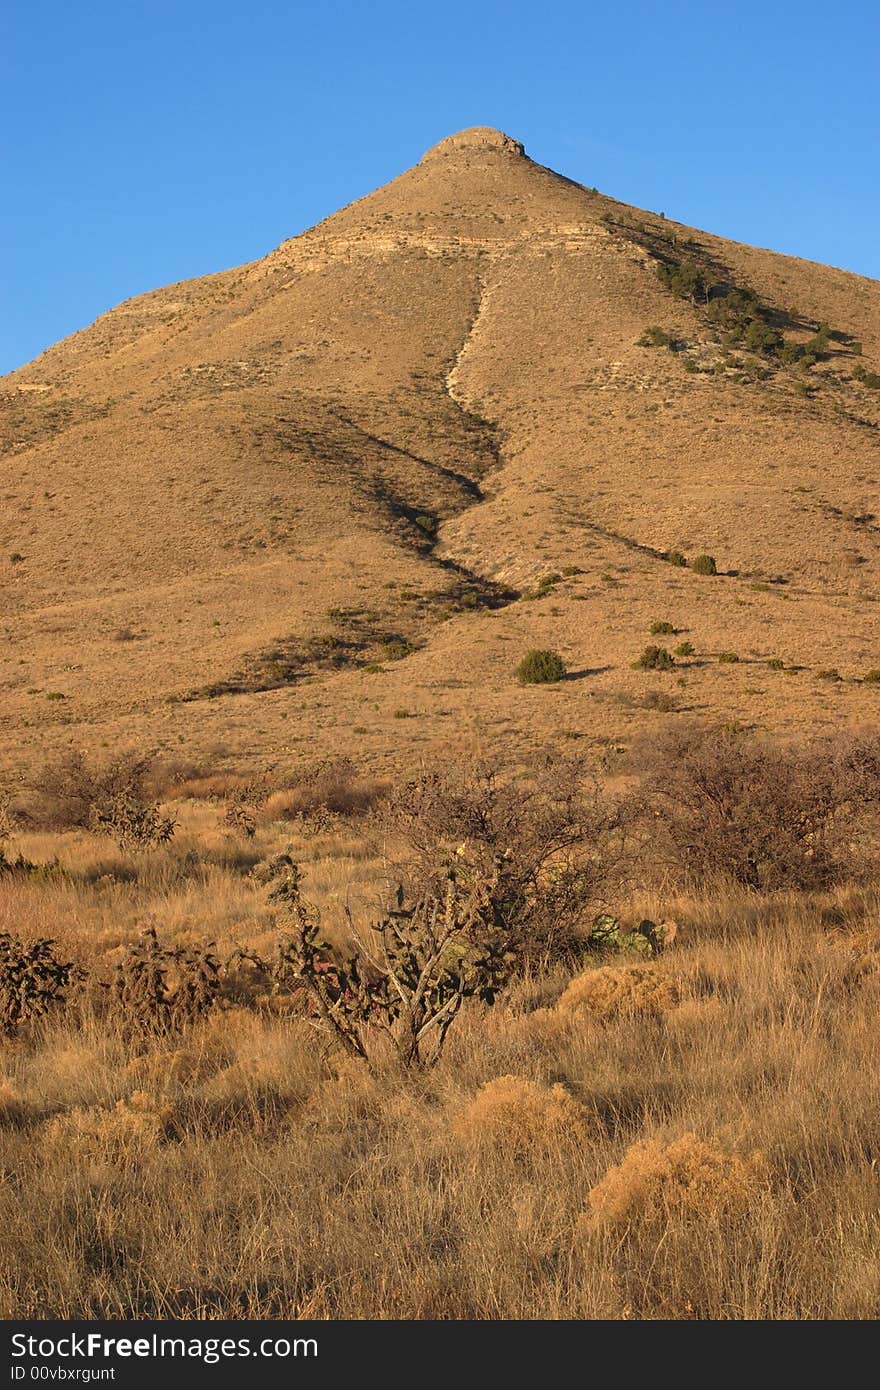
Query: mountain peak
x=478 y=137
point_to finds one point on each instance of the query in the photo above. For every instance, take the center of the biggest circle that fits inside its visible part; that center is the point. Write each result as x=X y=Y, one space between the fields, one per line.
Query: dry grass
x=615 y=992
x=694 y=1137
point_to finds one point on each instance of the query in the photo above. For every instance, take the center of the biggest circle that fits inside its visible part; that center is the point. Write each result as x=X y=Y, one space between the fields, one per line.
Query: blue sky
x=145 y=143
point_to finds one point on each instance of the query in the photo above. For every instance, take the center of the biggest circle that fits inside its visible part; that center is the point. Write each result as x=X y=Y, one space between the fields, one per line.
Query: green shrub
x=684 y=279
x=396 y=650
x=734 y=310
x=655 y=659
x=776 y=663
x=728 y=657
x=867 y=378
x=872 y=677
x=704 y=564
x=759 y=337
x=829 y=674
x=675 y=557
x=540 y=668
x=661 y=629
x=685 y=649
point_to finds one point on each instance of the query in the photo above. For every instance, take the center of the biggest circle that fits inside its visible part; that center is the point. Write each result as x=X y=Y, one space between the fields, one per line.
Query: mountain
x=278 y=508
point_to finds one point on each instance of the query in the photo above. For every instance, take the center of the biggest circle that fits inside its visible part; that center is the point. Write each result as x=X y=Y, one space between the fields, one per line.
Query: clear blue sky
x=148 y=142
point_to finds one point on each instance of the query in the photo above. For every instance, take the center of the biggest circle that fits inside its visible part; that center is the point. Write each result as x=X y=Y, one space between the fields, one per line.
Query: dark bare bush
x=67 y=789
x=322 y=791
x=723 y=802
x=110 y=798
x=169 y=778
x=245 y=801
x=549 y=837
x=208 y=786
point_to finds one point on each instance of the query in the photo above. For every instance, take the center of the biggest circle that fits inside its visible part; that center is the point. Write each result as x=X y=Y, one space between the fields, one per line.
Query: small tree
x=540 y=668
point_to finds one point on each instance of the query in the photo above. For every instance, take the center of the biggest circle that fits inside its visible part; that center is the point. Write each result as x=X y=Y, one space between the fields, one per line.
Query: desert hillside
x=327 y=500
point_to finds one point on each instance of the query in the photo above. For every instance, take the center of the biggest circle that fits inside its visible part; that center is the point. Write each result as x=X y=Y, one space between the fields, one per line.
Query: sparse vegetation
x=866 y=377
x=466 y=1028
x=657 y=337
x=660 y=700
x=176 y=1084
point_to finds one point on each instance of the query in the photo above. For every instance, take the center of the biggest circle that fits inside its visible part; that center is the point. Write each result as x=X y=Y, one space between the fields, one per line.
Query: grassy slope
x=224 y=463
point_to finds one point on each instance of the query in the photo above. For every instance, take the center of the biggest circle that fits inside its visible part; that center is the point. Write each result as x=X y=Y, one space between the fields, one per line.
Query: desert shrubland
x=631 y=1122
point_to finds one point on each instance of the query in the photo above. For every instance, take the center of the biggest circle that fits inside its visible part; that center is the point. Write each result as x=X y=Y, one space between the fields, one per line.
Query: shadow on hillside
x=587 y=671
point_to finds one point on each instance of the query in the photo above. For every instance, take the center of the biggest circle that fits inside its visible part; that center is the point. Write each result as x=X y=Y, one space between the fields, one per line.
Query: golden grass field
x=689 y=1137
x=304 y=508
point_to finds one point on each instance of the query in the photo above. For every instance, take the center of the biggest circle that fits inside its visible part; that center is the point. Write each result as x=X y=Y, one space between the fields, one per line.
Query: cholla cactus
x=132 y=823
x=32 y=979
x=162 y=989
x=421 y=960
x=239 y=816
x=607 y=936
